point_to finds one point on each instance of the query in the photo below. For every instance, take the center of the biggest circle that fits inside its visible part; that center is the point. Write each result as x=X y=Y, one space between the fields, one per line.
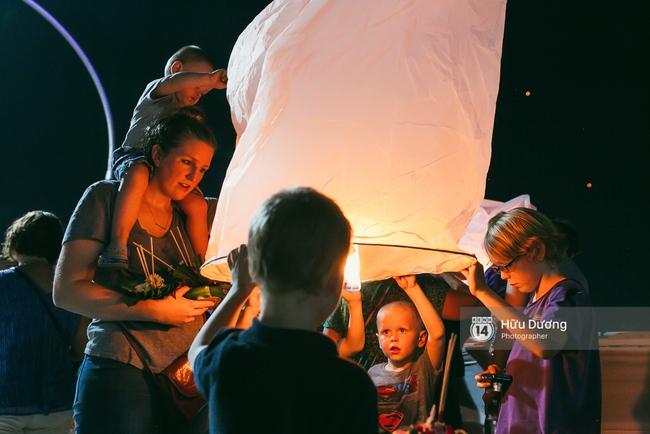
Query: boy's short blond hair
x=297 y=239
x=188 y=53
x=417 y=319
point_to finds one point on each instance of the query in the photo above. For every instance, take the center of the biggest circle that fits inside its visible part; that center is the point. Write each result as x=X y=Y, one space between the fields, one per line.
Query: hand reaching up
x=238 y=264
x=406 y=282
x=475 y=278
x=219 y=79
x=351 y=296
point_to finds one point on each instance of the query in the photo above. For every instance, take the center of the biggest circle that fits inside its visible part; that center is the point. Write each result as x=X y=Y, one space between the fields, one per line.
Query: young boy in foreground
x=280 y=373
x=407 y=384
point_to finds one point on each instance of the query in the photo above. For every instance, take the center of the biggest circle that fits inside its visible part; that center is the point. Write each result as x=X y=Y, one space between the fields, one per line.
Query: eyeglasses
x=498 y=269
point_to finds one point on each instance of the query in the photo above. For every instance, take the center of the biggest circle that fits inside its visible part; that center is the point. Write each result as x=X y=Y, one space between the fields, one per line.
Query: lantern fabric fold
x=385 y=106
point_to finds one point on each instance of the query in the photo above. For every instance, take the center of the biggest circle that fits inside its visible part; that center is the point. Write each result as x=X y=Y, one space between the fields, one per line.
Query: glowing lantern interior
x=387 y=107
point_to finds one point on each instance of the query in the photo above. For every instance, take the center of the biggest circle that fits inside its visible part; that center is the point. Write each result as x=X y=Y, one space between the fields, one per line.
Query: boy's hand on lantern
x=219 y=79
x=406 y=282
x=351 y=296
x=475 y=277
x=238 y=264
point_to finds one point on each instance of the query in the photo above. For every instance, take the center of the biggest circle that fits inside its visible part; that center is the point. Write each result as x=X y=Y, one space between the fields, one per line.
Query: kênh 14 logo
x=482 y=328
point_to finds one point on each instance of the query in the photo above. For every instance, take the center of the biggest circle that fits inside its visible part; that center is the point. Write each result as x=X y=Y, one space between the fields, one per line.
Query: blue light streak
x=91 y=71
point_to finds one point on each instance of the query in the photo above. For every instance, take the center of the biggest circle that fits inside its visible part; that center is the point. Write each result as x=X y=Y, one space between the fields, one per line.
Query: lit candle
x=352 y=281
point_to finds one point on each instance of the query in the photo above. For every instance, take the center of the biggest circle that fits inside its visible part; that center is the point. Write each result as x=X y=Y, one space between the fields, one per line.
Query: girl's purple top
x=561 y=394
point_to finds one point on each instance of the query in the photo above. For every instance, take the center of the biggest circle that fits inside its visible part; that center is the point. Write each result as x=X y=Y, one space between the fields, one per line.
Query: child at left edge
x=189 y=74
x=406 y=383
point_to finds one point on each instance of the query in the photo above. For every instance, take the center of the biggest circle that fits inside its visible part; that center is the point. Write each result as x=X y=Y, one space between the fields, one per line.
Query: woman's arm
x=75 y=291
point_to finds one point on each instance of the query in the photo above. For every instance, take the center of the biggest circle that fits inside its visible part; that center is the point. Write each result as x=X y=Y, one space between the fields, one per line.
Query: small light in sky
x=589 y=185
x=527 y=93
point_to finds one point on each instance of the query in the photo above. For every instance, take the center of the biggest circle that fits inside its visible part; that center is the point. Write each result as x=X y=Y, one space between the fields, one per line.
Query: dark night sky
x=584 y=64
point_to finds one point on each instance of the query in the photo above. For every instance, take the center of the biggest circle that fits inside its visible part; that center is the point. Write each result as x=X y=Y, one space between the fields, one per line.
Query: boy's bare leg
x=127 y=207
x=195 y=208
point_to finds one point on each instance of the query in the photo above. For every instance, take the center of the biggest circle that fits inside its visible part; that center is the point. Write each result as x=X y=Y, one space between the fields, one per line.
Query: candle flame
x=352 y=281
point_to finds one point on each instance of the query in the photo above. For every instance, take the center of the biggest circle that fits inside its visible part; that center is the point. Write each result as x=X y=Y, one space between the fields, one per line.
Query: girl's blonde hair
x=524 y=232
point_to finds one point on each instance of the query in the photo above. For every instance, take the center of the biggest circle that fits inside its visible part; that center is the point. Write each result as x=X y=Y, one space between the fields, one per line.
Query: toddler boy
x=407 y=384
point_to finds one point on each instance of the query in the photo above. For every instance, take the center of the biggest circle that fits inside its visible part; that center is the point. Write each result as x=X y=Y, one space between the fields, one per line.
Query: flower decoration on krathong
x=152 y=281
x=151 y=286
x=154 y=286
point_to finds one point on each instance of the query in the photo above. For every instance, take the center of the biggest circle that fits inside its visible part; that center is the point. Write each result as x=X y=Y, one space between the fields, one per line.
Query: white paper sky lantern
x=386 y=106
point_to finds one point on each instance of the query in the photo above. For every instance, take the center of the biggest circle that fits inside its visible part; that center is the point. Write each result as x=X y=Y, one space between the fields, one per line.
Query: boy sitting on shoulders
x=407 y=384
x=281 y=373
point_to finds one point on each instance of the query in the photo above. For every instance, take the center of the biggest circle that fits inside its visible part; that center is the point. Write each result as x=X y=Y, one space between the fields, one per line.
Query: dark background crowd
x=569 y=128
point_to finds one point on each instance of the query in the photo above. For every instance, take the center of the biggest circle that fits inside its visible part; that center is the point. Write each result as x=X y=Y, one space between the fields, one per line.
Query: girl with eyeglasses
x=554 y=361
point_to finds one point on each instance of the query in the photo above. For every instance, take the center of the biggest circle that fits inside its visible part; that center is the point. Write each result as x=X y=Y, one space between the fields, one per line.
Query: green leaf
x=198 y=293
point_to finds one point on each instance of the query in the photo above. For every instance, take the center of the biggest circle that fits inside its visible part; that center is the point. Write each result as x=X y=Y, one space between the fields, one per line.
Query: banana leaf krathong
x=202 y=288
